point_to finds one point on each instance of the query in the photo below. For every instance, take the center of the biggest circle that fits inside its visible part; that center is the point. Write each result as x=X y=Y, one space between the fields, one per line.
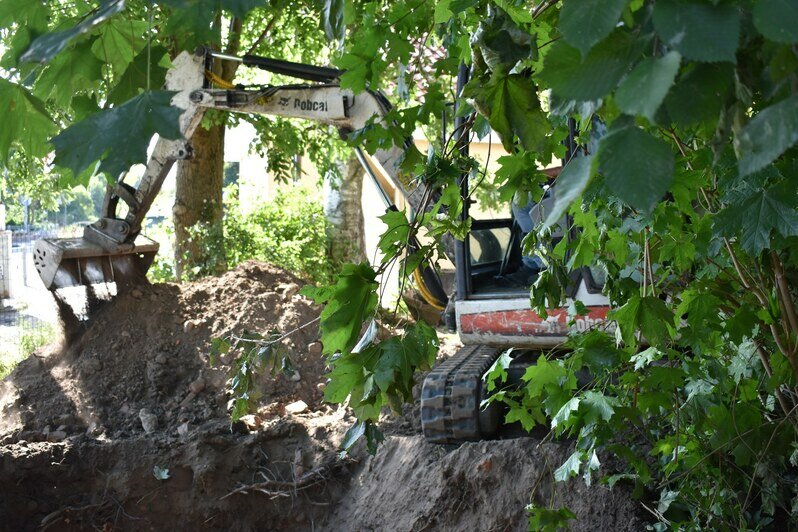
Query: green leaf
x=519 y=178
x=349 y=302
x=541 y=375
x=569 y=469
x=638 y=168
x=754 y=220
x=644 y=89
x=583 y=23
x=119 y=41
x=562 y=415
x=529 y=418
x=699 y=30
x=647 y=314
x=24 y=121
x=26 y=14
x=373 y=437
x=574 y=78
x=498 y=371
x=777 y=20
x=570 y=184
x=598 y=406
x=511 y=104
x=518 y=14
x=192 y=23
x=134 y=79
x=333 y=19
x=547 y=519
x=219 y=346
x=48 y=45
x=666 y=498
x=345 y=376
x=598 y=351
x=501 y=43
x=769 y=134
x=399 y=357
x=700 y=95
x=69 y=73
x=397 y=235
x=645 y=357
x=443 y=11
x=241 y=8
x=355 y=432
x=118 y=136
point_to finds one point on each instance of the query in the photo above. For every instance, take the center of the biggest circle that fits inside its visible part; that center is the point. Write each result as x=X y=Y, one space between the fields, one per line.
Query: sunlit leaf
x=48 y=45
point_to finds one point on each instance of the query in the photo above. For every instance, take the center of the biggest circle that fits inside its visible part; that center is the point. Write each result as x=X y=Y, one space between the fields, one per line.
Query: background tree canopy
x=687 y=201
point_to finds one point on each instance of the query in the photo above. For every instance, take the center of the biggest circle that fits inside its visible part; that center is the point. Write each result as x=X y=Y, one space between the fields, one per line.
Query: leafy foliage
x=289 y=231
x=252 y=354
x=699 y=30
x=574 y=78
x=348 y=303
x=644 y=89
x=26 y=120
x=637 y=166
x=585 y=24
x=127 y=131
x=548 y=520
x=49 y=45
x=768 y=135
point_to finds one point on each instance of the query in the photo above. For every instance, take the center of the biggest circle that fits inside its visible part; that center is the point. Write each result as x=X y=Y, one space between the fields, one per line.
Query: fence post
x=5 y=264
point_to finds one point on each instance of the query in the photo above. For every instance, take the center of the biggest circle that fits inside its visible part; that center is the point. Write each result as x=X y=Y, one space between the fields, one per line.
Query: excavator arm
x=112 y=249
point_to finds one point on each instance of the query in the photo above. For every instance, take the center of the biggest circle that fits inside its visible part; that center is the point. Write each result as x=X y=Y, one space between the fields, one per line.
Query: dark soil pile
x=128 y=428
x=83 y=427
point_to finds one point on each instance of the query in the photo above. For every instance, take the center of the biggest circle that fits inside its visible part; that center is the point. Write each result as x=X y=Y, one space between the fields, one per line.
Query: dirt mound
x=414 y=485
x=148 y=349
x=129 y=428
x=83 y=427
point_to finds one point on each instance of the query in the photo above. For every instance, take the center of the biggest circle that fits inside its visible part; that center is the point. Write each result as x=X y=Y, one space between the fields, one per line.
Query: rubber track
x=451 y=394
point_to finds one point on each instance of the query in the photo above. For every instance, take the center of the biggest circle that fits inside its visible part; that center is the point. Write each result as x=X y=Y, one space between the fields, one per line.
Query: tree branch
x=269 y=25
x=763 y=357
x=783 y=291
x=228 y=68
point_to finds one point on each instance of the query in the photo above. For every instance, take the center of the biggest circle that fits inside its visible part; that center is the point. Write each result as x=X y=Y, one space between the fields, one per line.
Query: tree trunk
x=198 y=195
x=344 y=212
x=198 y=200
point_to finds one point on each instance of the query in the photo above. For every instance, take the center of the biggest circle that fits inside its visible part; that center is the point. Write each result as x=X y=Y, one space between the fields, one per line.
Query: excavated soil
x=128 y=428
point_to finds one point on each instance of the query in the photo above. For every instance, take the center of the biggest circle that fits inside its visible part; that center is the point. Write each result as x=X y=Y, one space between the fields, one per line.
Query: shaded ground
x=88 y=433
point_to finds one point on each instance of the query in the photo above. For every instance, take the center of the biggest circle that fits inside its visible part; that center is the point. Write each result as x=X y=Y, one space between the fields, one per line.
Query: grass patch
x=12 y=353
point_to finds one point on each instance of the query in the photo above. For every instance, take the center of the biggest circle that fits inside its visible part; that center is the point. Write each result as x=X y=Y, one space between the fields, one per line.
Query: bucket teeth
x=64 y=262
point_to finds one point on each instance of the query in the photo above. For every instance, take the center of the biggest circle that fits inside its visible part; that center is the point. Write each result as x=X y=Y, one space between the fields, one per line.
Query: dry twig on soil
x=285 y=488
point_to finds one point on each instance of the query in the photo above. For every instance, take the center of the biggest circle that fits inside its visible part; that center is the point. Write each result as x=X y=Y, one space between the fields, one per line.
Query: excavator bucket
x=65 y=262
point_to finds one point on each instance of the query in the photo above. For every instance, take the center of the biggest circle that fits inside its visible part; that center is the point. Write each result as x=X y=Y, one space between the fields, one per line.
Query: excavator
x=490 y=315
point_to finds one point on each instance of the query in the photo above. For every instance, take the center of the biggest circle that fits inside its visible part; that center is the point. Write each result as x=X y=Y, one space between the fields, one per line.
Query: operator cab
x=497 y=266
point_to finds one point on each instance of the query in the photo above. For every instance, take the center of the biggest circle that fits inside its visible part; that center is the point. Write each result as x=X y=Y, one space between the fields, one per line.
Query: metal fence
x=28 y=313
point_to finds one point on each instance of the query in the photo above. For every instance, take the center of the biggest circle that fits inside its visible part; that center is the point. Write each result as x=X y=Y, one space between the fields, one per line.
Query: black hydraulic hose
x=295 y=70
x=461 y=252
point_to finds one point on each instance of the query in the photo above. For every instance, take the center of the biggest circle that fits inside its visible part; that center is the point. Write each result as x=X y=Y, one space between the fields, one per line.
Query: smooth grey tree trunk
x=344 y=212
